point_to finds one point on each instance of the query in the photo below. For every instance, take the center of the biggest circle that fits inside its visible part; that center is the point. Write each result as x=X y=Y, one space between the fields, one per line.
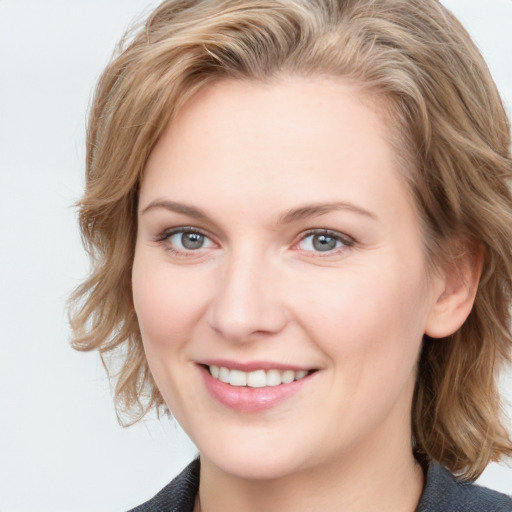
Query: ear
x=454 y=293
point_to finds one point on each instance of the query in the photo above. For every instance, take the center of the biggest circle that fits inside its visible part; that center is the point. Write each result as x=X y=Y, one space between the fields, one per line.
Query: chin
x=257 y=466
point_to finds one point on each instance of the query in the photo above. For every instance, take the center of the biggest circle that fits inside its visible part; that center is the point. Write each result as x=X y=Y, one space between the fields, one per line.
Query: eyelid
x=166 y=233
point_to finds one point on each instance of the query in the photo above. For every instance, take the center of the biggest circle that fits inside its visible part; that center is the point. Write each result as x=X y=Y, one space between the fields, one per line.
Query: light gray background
x=61 y=448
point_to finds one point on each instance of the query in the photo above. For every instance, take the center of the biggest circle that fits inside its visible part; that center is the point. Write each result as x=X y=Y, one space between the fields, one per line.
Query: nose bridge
x=247 y=301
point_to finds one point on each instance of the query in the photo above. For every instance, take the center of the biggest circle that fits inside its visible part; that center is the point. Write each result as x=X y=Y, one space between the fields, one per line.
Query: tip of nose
x=245 y=329
x=243 y=333
x=243 y=306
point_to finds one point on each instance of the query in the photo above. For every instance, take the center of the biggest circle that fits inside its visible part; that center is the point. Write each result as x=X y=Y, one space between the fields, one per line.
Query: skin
x=247 y=154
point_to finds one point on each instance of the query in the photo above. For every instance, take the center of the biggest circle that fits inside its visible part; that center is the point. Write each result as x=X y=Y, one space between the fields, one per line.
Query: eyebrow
x=293 y=215
x=317 y=209
x=173 y=206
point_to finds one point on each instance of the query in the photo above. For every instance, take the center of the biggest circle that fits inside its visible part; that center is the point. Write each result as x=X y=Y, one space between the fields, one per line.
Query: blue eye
x=186 y=240
x=323 y=241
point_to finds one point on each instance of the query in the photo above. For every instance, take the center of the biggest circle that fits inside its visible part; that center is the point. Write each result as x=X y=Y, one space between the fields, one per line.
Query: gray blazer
x=443 y=493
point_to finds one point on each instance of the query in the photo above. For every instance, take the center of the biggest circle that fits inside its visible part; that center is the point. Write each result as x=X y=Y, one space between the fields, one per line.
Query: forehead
x=289 y=134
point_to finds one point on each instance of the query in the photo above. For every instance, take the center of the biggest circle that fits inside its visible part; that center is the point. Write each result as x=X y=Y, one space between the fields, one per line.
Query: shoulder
x=444 y=493
x=178 y=496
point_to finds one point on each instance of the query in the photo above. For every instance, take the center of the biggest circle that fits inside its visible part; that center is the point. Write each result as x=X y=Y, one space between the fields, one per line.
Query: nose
x=246 y=304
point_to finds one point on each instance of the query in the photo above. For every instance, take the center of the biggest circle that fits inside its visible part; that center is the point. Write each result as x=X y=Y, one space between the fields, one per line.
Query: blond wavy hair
x=449 y=129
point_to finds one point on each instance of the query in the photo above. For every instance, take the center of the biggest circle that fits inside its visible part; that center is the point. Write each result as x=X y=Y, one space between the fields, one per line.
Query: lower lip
x=246 y=399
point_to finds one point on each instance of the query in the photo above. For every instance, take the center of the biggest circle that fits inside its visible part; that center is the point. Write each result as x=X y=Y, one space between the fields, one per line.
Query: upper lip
x=250 y=366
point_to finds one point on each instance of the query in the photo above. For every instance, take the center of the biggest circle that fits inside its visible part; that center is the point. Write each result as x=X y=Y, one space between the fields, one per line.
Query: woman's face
x=278 y=249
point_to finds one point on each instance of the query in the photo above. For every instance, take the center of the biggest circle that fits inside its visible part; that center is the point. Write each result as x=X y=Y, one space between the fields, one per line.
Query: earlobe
x=454 y=294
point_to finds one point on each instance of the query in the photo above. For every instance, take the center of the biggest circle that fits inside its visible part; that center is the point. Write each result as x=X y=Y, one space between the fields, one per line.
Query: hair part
x=451 y=134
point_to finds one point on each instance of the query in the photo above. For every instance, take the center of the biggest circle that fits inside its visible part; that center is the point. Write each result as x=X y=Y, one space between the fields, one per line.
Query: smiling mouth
x=256 y=378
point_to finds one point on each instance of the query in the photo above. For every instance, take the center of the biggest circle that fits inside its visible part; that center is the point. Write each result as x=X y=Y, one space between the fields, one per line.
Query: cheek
x=167 y=303
x=371 y=317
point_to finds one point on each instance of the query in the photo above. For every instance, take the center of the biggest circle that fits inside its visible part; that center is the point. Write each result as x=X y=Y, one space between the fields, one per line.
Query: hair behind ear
x=457 y=397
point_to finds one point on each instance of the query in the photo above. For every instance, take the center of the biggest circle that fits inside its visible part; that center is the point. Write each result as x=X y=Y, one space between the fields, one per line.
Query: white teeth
x=237 y=378
x=273 y=378
x=288 y=376
x=257 y=378
x=224 y=374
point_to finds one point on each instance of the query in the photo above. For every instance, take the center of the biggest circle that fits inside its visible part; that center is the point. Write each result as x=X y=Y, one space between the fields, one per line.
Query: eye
x=324 y=241
x=183 y=240
x=189 y=241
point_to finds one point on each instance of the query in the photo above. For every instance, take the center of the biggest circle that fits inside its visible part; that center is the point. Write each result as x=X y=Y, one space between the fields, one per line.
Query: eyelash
x=344 y=240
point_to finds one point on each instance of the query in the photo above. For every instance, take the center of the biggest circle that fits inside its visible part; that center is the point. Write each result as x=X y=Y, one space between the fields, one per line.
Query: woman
x=300 y=222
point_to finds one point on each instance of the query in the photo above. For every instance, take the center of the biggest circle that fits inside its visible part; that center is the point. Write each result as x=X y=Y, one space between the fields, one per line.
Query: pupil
x=324 y=242
x=192 y=240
